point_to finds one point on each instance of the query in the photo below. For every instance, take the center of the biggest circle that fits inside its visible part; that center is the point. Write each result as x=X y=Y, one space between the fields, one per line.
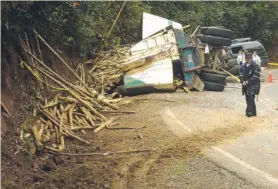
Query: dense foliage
x=81 y=27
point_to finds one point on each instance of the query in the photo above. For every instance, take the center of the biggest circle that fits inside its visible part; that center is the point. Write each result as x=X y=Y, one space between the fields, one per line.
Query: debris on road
x=108 y=153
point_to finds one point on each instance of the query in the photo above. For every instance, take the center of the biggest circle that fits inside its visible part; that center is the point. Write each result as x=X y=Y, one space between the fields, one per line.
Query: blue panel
x=181 y=39
x=188 y=64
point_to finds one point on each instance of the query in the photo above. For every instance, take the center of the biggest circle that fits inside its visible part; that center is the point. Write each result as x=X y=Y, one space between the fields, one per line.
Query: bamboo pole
x=103 y=125
x=65 y=131
x=75 y=95
x=61 y=59
x=106 y=153
x=116 y=19
x=93 y=94
x=28 y=47
x=41 y=58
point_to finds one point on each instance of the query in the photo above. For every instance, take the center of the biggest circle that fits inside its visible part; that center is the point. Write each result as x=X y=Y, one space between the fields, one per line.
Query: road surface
x=249 y=161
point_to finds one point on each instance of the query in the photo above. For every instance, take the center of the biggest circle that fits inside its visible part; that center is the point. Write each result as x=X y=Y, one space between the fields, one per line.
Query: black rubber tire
x=231 y=63
x=216 y=41
x=210 y=86
x=215 y=31
x=121 y=90
x=234 y=70
x=213 y=77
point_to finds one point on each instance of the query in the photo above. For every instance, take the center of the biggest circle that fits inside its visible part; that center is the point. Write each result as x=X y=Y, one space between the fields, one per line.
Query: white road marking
x=227 y=154
x=246 y=165
x=170 y=113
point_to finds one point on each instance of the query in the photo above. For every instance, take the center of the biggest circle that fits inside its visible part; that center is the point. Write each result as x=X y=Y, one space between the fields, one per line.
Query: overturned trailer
x=169 y=59
x=158 y=60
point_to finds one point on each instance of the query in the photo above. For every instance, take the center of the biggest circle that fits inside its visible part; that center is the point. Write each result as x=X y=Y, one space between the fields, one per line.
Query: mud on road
x=173 y=149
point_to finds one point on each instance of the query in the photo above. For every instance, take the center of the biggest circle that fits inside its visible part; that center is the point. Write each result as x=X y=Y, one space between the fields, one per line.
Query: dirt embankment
x=19 y=94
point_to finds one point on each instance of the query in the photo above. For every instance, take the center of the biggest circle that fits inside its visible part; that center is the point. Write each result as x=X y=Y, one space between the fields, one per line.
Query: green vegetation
x=81 y=27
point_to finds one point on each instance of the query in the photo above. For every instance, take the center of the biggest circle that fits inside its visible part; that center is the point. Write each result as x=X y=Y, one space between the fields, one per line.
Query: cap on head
x=248 y=55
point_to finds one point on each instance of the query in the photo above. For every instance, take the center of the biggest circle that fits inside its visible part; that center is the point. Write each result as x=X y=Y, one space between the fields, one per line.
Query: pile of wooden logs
x=74 y=106
x=106 y=69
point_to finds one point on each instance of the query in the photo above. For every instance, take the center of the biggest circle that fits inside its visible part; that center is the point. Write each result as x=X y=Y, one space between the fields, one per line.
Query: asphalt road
x=249 y=161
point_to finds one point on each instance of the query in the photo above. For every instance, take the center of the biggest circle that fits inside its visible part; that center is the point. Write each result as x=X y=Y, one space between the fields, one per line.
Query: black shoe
x=249 y=115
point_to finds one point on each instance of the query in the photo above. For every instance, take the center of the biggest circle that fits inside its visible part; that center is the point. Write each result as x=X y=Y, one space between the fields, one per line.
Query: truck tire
x=210 y=86
x=234 y=70
x=216 y=41
x=213 y=77
x=231 y=63
x=215 y=31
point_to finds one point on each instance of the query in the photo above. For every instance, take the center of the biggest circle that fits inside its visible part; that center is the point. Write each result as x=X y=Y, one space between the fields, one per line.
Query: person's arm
x=238 y=59
x=241 y=74
x=255 y=78
x=259 y=61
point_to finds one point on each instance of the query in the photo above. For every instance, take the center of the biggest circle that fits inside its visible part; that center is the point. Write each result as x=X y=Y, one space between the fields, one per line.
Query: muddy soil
x=135 y=170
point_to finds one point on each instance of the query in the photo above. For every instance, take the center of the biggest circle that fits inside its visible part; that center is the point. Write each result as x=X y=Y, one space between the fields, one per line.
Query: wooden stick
x=81 y=71
x=154 y=99
x=6 y=109
x=62 y=60
x=62 y=143
x=65 y=131
x=107 y=153
x=55 y=107
x=39 y=48
x=103 y=101
x=79 y=114
x=67 y=99
x=76 y=96
x=84 y=76
x=57 y=133
x=42 y=120
x=24 y=46
x=52 y=149
x=92 y=93
x=82 y=127
x=67 y=108
x=37 y=136
x=118 y=112
x=88 y=116
x=61 y=123
x=28 y=46
x=116 y=19
x=103 y=125
x=79 y=121
x=116 y=128
x=50 y=105
x=102 y=85
x=95 y=66
x=95 y=78
x=84 y=121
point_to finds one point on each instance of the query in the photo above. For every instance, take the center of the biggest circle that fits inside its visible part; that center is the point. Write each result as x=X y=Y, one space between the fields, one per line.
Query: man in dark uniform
x=250 y=79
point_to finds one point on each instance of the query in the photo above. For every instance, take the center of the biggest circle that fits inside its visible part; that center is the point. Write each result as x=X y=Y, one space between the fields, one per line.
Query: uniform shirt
x=250 y=73
x=257 y=60
x=241 y=58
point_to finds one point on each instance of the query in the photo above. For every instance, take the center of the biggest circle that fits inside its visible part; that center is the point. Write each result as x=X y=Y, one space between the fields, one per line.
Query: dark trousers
x=251 y=106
